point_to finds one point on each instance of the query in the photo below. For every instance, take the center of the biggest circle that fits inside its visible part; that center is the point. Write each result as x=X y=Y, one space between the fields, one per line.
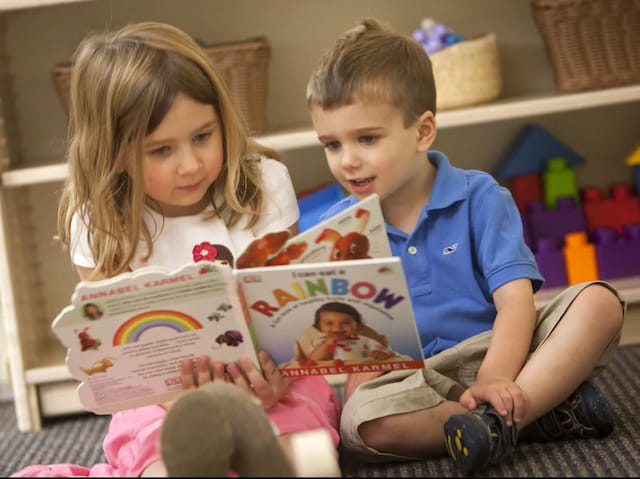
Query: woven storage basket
x=242 y=65
x=467 y=72
x=590 y=43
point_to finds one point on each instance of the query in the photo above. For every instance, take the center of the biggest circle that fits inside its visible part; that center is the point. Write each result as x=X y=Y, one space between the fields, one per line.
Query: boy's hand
x=503 y=394
x=268 y=387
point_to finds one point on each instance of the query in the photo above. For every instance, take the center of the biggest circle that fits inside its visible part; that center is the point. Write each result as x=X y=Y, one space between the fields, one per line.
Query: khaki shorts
x=445 y=377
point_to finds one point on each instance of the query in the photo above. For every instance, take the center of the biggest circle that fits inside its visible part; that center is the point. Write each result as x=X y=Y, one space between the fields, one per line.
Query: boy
x=495 y=366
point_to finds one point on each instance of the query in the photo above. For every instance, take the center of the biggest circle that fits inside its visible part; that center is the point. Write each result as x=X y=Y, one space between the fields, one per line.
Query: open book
x=331 y=301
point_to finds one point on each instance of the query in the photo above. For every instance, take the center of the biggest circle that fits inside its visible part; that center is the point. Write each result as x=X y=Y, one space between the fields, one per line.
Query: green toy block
x=559 y=180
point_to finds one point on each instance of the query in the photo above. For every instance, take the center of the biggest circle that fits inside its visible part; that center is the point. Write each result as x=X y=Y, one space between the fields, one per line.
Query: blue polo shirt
x=467 y=242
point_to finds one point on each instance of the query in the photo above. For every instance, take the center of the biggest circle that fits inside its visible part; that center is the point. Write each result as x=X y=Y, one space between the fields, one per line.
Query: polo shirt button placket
x=412 y=250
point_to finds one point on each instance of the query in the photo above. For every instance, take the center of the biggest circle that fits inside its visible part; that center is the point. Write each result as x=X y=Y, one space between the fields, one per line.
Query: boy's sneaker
x=479 y=438
x=585 y=414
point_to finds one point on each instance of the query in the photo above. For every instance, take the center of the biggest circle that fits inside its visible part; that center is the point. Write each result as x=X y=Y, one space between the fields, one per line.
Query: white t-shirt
x=176 y=237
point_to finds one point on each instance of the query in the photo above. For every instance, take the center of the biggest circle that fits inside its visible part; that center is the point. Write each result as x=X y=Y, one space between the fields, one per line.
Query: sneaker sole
x=468 y=442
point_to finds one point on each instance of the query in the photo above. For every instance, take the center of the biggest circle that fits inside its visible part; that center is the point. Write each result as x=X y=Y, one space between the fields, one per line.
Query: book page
x=333 y=317
x=127 y=336
x=357 y=232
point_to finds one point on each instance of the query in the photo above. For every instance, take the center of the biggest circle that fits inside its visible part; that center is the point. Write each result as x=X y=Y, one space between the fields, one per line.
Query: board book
x=126 y=336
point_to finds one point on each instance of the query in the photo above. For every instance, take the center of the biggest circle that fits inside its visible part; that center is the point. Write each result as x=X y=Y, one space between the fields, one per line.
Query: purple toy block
x=567 y=217
x=526 y=233
x=618 y=257
x=550 y=261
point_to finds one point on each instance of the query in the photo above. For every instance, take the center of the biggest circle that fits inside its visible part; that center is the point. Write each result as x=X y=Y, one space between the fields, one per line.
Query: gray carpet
x=78 y=439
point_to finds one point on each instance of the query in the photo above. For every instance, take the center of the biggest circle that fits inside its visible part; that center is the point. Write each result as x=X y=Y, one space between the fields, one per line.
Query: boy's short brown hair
x=372 y=63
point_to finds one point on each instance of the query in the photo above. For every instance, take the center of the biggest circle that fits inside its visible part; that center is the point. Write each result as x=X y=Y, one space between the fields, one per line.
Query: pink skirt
x=130 y=445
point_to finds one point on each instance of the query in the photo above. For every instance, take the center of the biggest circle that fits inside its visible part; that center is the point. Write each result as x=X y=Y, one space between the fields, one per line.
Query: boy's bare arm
x=510 y=342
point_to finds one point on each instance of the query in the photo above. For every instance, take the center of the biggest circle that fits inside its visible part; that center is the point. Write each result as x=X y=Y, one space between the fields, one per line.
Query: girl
x=161 y=168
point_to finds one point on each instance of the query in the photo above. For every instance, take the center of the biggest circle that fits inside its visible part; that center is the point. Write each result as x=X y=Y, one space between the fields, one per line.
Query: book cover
x=333 y=317
x=126 y=336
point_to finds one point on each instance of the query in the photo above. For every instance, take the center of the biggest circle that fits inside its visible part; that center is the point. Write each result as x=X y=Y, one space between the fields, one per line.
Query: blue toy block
x=567 y=217
x=550 y=261
x=313 y=204
x=633 y=160
x=635 y=171
x=530 y=152
x=618 y=257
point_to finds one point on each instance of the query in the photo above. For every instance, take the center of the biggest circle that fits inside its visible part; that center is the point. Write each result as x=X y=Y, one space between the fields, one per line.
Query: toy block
x=559 y=180
x=633 y=160
x=621 y=208
x=526 y=188
x=554 y=224
x=526 y=232
x=635 y=173
x=530 y=152
x=579 y=258
x=550 y=260
x=618 y=257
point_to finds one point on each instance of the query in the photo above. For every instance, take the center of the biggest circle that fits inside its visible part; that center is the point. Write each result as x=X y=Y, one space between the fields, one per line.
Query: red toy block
x=621 y=208
x=525 y=189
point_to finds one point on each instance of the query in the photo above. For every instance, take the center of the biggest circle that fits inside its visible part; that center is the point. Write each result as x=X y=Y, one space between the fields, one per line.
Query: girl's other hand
x=204 y=372
x=268 y=387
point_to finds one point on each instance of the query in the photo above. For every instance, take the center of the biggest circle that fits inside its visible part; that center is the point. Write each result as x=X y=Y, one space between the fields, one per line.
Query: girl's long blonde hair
x=122 y=85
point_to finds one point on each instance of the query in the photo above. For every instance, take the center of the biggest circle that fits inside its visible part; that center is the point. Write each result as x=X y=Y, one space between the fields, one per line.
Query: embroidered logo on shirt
x=450 y=249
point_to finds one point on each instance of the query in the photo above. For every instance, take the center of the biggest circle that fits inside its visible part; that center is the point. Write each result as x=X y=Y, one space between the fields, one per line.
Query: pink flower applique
x=204 y=251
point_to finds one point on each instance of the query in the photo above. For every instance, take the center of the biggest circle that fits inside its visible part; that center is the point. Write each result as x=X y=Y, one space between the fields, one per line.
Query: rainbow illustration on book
x=132 y=330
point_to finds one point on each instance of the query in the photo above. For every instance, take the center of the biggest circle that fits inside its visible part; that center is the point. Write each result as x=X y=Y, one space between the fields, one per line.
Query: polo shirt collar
x=450 y=185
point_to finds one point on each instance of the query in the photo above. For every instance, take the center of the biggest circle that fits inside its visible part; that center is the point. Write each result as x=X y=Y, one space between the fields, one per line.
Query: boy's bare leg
x=415 y=434
x=570 y=352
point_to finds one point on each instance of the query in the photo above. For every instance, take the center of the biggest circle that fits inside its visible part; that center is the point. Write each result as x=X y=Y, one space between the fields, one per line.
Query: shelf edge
x=304 y=137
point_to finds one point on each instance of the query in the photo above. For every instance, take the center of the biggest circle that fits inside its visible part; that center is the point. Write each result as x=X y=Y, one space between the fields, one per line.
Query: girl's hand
x=268 y=387
x=503 y=394
x=204 y=372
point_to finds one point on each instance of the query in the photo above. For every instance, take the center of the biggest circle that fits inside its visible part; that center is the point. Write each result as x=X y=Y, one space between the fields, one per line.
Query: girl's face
x=339 y=325
x=183 y=156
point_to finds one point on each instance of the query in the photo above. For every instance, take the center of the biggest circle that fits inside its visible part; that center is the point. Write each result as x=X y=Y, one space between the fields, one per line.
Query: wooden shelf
x=10 y=5
x=304 y=137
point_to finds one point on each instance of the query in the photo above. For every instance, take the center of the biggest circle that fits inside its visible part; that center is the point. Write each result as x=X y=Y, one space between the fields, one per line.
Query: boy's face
x=370 y=150
x=338 y=325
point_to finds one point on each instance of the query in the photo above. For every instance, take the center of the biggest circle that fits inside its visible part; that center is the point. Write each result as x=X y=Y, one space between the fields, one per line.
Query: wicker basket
x=467 y=72
x=591 y=43
x=242 y=65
